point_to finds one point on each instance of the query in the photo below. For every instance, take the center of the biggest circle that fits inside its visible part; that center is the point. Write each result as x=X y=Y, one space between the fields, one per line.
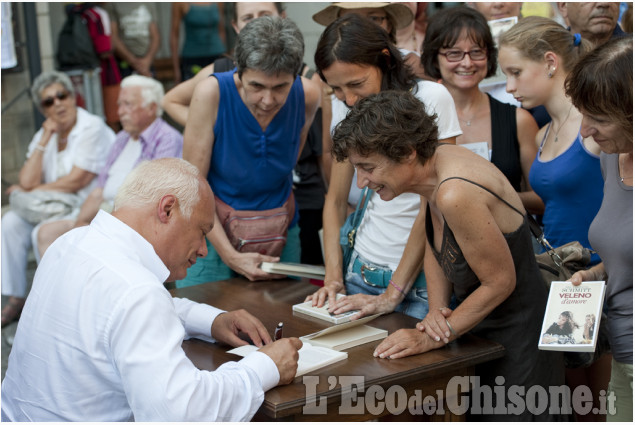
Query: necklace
x=563 y=123
x=621 y=167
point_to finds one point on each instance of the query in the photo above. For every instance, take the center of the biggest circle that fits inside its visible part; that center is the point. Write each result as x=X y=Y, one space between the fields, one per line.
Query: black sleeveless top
x=516 y=322
x=505 y=147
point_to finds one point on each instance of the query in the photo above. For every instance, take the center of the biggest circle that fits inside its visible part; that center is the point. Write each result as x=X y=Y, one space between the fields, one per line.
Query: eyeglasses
x=457 y=55
x=49 y=101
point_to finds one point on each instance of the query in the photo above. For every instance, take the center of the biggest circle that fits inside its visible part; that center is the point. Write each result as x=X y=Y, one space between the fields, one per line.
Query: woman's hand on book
x=366 y=304
x=326 y=293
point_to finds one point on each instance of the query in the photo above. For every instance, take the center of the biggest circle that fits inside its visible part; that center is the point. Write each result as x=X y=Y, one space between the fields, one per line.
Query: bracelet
x=40 y=148
x=450 y=326
x=397 y=286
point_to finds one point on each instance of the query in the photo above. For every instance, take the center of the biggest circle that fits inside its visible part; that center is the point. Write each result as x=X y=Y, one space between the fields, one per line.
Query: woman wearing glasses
x=459 y=50
x=65 y=155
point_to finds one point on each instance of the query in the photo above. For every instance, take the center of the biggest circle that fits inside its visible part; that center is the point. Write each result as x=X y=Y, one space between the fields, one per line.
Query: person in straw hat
x=389 y=16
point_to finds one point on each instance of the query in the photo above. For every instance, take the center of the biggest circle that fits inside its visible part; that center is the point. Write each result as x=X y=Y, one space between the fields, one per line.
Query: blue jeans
x=415 y=303
x=212 y=268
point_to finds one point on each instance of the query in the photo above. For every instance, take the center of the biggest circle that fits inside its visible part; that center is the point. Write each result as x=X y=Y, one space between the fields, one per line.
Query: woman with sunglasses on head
x=65 y=155
x=459 y=50
x=357 y=59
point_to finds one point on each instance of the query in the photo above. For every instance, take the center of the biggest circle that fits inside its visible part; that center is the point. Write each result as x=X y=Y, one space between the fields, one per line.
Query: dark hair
x=601 y=83
x=358 y=40
x=391 y=123
x=570 y=325
x=445 y=29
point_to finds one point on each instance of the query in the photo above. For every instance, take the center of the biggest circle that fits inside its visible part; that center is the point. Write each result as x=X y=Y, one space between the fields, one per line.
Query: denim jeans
x=415 y=303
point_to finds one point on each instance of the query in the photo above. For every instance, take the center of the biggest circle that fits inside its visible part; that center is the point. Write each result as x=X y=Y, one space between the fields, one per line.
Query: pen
x=277 y=334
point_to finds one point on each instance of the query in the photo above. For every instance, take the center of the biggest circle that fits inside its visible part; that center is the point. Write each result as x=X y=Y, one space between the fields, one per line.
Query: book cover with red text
x=572 y=317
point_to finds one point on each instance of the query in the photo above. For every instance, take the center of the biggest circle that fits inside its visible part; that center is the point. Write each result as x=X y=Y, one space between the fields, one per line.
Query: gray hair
x=46 y=79
x=270 y=44
x=151 y=90
x=147 y=183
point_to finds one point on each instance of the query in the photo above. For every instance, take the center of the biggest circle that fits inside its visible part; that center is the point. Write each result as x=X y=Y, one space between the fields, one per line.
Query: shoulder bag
x=559 y=264
x=349 y=229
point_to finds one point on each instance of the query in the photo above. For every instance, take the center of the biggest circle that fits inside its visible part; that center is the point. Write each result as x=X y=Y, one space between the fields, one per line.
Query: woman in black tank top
x=478 y=245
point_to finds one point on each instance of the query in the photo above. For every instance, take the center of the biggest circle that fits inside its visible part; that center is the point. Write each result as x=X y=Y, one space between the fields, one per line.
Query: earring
x=551 y=71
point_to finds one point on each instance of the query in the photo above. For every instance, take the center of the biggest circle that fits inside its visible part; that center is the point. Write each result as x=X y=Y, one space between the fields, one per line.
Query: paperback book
x=572 y=317
x=346 y=335
x=322 y=313
x=310 y=357
x=294 y=269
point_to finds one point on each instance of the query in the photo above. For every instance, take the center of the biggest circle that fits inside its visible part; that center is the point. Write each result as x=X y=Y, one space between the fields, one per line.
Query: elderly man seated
x=145 y=136
x=100 y=337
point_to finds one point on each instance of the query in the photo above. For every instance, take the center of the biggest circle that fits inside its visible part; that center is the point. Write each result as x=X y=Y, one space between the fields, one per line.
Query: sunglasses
x=49 y=101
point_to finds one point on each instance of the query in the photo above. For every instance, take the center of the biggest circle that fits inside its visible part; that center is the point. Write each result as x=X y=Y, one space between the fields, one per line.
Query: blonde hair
x=534 y=36
x=147 y=183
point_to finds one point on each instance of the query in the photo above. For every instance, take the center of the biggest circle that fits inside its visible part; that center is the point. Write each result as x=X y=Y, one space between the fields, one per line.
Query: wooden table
x=328 y=393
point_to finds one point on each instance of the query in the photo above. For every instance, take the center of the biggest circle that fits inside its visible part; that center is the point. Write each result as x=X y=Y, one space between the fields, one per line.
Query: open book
x=311 y=357
x=294 y=269
x=322 y=313
x=572 y=317
x=346 y=335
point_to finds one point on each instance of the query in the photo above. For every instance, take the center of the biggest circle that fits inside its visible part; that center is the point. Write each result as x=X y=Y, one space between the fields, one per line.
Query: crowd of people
x=397 y=112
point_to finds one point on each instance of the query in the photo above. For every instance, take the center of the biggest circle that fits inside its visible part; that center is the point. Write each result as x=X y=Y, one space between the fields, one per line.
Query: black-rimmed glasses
x=458 y=55
x=49 y=101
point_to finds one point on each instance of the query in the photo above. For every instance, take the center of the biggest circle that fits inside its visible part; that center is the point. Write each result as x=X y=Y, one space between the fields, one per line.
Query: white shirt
x=100 y=340
x=87 y=148
x=120 y=169
x=384 y=230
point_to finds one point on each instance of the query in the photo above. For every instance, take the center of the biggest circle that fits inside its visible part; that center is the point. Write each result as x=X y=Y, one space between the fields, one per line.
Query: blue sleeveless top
x=252 y=169
x=572 y=188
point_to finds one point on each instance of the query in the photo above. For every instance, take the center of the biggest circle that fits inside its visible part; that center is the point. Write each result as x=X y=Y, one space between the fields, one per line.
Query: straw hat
x=401 y=15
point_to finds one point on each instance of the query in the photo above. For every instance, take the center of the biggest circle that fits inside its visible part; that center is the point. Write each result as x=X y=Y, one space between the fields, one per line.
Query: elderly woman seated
x=64 y=156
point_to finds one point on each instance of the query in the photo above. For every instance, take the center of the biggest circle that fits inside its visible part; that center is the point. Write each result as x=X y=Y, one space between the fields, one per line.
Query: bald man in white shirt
x=100 y=336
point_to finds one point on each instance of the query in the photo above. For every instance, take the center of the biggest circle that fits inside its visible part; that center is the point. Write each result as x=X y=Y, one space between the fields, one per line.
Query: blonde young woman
x=536 y=55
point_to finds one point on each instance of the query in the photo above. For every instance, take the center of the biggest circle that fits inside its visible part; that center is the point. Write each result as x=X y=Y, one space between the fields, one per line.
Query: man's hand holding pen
x=284 y=353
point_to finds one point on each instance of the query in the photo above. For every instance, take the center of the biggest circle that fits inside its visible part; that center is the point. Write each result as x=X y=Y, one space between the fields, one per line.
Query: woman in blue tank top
x=566 y=172
x=244 y=131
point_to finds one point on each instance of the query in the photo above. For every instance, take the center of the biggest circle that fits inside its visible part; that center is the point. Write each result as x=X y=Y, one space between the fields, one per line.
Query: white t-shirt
x=122 y=166
x=100 y=340
x=384 y=230
x=87 y=148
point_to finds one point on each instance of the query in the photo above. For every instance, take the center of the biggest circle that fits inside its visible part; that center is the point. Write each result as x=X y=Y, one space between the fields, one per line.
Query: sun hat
x=400 y=14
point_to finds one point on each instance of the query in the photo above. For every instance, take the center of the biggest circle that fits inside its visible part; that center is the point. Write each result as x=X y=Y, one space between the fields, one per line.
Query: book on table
x=322 y=313
x=346 y=335
x=310 y=357
x=572 y=316
x=294 y=269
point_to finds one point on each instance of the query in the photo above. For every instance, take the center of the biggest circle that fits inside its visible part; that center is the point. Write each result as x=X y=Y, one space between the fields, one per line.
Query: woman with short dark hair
x=601 y=87
x=478 y=242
